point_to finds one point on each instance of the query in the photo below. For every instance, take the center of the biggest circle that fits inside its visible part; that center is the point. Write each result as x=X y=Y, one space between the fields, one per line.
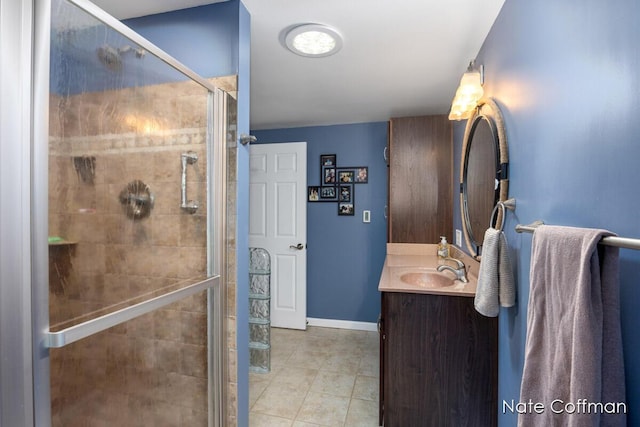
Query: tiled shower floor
x=319 y=377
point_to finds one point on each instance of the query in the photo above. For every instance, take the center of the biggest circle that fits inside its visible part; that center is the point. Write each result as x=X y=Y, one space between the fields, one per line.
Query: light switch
x=458 y=238
x=366 y=216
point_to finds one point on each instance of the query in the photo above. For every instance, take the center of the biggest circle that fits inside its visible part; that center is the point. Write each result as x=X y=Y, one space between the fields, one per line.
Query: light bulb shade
x=460 y=113
x=466 y=99
x=313 y=40
x=314 y=43
x=470 y=85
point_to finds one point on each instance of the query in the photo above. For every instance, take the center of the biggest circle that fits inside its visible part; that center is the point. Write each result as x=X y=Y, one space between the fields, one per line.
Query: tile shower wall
x=153 y=368
x=149 y=371
x=115 y=257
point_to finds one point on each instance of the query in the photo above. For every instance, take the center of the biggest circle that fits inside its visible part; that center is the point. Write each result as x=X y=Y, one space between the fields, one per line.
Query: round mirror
x=483 y=174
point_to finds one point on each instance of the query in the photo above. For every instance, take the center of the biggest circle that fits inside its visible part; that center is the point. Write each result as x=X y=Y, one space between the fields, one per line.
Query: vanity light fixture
x=468 y=94
x=313 y=40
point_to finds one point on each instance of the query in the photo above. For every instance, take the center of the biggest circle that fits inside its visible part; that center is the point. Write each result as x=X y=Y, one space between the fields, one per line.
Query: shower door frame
x=42 y=339
x=16 y=60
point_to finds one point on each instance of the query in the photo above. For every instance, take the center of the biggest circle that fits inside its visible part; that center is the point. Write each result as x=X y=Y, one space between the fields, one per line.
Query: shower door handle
x=91 y=327
x=188 y=158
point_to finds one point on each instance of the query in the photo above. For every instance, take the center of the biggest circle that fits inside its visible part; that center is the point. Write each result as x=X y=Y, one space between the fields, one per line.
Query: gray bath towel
x=573 y=357
x=495 y=277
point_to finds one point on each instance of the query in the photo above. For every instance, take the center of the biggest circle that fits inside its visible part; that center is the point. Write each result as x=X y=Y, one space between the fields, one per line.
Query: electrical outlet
x=366 y=216
x=458 y=238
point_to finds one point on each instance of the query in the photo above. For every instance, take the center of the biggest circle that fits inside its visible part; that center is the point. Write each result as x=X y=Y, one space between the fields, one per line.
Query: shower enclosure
x=129 y=158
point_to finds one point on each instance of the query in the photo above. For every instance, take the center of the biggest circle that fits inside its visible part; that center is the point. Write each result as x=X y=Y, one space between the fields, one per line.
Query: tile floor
x=319 y=377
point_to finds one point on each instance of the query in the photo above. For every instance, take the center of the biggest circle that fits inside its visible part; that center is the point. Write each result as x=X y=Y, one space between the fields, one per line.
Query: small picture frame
x=328 y=160
x=345 y=193
x=313 y=193
x=328 y=175
x=361 y=175
x=346 y=209
x=328 y=194
x=345 y=175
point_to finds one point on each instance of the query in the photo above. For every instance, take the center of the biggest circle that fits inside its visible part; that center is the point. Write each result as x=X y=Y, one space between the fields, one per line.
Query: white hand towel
x=496 y=285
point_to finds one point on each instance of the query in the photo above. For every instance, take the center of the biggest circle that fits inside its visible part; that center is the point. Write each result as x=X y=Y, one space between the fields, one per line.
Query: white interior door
x=278 y=223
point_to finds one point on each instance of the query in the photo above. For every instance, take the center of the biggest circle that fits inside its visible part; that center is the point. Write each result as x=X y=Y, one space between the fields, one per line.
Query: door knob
x=299 y=246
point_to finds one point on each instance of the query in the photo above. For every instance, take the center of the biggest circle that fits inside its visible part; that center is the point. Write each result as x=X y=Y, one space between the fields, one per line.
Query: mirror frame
x=486 y=109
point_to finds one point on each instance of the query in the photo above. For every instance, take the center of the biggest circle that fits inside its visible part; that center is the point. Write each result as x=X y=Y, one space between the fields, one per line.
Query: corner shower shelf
x=259 y=305
x=62 y=242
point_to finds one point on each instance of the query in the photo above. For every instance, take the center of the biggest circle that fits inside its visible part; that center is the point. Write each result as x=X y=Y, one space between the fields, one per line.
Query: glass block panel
x=259 y=358
x=259 y=284
x=260 y=333
x=259 y=313
x=259 y=309
x=259 y=260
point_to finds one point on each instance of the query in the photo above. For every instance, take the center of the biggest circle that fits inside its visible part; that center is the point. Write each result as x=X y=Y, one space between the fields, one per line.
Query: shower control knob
x=299 y=246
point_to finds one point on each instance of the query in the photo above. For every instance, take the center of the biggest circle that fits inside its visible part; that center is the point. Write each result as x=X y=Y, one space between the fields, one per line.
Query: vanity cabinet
x=420 y=158
x=439 y=362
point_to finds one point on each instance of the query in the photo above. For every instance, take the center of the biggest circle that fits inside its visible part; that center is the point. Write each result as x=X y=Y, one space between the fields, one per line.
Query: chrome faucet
x=460 y=272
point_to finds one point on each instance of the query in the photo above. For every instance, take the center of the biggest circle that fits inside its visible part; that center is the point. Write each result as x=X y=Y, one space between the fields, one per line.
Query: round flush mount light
x=313 y=40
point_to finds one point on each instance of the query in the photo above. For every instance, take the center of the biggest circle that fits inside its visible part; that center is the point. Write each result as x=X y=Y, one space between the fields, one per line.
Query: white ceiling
x=400 y=57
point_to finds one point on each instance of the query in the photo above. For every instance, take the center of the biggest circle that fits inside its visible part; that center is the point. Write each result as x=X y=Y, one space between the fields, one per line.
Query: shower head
x=139 y=52
x=109 y=57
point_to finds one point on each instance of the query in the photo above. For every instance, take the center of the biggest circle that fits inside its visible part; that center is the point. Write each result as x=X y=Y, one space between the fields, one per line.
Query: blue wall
x=344 y=255
x=214 y=41
x=565 y=75
x=203 y=38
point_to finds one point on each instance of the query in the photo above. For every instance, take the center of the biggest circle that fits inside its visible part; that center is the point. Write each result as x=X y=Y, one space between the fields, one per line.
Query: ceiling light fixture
x=313 y=40
x=468 y=94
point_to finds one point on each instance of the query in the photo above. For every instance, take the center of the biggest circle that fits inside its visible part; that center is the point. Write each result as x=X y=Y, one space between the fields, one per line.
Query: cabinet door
x=408 y=377
x=440 y=362
x=420 y=179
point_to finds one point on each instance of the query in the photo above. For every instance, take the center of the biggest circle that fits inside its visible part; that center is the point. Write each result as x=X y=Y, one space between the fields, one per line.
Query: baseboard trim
x=342 y=324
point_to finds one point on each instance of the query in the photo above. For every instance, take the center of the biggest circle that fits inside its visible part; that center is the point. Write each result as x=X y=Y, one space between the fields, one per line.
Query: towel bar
x=620 y=242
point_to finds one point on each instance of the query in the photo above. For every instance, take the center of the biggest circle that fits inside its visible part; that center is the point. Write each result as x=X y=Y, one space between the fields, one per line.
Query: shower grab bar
x=102 y=323
x=188 y=158
x=620 y=242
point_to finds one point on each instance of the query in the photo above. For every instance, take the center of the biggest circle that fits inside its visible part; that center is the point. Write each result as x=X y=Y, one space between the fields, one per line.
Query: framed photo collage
x=337 y=184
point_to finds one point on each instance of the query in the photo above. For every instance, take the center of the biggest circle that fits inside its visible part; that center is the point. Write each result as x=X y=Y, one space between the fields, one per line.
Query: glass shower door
x=135 y=224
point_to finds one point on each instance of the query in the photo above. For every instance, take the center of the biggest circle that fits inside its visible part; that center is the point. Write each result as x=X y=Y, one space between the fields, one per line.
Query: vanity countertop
x=412 y=261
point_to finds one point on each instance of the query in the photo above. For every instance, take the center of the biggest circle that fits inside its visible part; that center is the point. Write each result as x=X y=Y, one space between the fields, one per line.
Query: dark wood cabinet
x=439 y=362
x=420 y=179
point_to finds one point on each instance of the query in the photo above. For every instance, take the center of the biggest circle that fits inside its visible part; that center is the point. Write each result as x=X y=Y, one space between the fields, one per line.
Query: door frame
x=16 y=108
